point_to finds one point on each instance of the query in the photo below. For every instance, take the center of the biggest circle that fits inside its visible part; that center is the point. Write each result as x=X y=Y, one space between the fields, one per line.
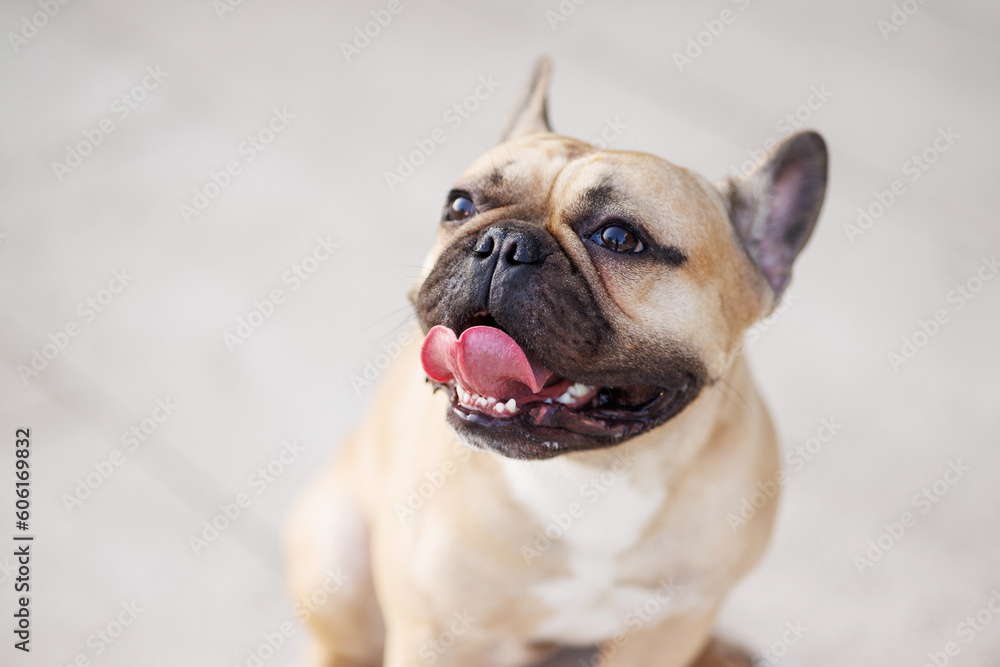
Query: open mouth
x=508 y=401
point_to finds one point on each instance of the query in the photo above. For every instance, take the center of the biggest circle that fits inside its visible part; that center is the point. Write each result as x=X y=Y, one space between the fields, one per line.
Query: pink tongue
x=485 y=361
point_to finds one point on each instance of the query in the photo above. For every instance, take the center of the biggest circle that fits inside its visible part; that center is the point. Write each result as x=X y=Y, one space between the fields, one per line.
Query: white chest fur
x=595 y=515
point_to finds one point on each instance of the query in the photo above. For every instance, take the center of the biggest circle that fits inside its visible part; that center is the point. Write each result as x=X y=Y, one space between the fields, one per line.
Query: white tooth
x=566 y=399
x=578 y=389
x=491 y=400
x=511 y=405
x=500 y=408
x=480 y=401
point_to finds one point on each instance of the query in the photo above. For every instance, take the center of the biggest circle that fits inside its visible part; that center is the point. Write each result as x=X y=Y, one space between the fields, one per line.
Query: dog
x=551 y=467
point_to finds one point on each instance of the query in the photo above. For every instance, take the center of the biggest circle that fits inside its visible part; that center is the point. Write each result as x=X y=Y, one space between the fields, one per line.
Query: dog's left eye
x=460 y=208
x=619 y=238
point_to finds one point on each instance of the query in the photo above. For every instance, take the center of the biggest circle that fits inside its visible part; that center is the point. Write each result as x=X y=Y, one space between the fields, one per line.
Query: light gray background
x=162 y=337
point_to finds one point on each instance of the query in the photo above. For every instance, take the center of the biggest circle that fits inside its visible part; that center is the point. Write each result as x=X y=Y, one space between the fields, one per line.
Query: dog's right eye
x=460 y=208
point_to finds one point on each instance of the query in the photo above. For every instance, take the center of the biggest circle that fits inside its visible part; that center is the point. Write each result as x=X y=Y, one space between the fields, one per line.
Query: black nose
x=508 y=246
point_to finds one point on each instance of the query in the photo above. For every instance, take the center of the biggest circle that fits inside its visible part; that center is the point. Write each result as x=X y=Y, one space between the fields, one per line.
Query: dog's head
x=577 y=297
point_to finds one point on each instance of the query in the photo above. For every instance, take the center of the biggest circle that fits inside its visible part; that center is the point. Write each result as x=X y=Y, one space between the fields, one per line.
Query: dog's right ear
x=530 y=113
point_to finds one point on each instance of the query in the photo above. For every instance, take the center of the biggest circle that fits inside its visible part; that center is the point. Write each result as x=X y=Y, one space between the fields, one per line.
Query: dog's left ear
x=530 y=113
x=775 y=207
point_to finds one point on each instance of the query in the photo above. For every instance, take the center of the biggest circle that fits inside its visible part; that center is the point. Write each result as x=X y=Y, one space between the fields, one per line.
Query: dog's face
x=578 y=297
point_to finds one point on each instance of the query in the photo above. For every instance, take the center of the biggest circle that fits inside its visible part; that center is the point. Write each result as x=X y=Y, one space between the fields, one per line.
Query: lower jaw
x=545 y=430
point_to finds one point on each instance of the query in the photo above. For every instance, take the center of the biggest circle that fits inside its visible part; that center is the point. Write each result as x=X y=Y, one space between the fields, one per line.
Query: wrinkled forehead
x=572 y=179
x=528 y=165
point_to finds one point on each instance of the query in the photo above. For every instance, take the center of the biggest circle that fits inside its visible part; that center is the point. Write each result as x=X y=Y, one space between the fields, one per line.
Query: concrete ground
x=166 y=166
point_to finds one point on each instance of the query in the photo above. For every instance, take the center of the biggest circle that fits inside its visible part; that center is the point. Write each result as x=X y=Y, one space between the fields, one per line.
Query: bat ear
x=530 y=113
x=775 y=207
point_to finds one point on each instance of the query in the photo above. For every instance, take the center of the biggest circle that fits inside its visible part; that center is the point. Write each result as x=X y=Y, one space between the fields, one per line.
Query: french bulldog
x=550 y=469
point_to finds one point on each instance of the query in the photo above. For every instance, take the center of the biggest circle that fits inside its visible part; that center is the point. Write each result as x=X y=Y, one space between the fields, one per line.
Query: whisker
x=391 y=313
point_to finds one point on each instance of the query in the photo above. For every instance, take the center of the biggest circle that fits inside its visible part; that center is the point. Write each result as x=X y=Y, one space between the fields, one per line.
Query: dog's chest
x=589 y=519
